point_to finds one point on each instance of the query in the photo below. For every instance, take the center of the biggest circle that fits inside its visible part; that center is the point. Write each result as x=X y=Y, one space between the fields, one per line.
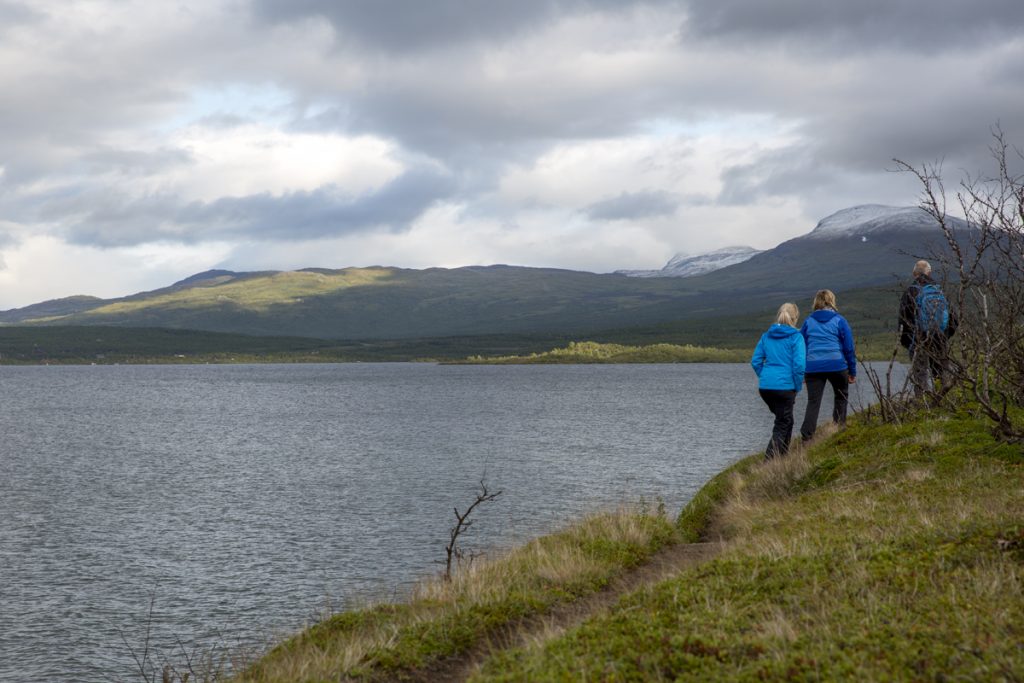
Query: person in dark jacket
x=925 y=332
x=830 y=358
x=779 y=361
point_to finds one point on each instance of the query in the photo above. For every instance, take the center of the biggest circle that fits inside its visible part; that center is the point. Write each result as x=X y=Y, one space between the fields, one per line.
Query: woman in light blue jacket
x=779 y=361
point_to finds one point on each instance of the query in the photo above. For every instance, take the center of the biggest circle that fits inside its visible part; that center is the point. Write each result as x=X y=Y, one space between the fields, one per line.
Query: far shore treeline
x=718 y=340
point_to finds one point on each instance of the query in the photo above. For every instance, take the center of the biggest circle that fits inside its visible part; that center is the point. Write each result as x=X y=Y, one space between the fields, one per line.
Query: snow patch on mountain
x=683 y=265
x=859 y=221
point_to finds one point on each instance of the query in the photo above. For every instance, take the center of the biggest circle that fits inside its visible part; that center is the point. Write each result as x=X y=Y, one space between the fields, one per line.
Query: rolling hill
x=854 y=249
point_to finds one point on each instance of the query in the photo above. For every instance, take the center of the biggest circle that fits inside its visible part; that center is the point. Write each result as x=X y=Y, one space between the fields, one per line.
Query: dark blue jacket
x=829 y=343
x=779 y=359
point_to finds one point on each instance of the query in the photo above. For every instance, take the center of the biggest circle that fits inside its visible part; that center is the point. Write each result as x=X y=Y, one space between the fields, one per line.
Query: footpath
x=668 y=561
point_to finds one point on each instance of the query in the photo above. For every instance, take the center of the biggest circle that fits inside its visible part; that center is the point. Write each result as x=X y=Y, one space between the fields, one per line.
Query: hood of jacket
x=778 y=331
x=824 y=315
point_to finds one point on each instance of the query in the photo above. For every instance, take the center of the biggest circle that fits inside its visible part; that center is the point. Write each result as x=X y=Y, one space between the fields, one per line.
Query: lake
x=243 y=500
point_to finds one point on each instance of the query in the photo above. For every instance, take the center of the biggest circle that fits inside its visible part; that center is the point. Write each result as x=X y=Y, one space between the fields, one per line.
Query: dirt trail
x=664 y=563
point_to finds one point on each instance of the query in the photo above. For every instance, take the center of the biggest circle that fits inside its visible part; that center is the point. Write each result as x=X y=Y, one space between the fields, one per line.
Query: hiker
x=926 y=324
x=830 y=358
x=779 y=362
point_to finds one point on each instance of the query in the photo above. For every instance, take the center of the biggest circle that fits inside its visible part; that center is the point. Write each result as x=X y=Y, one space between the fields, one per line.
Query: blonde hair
x=825 y=298
x=788 y=314
x=922 y=268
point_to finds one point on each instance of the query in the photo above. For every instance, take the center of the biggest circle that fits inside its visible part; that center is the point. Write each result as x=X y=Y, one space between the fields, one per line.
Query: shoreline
x=833 y=514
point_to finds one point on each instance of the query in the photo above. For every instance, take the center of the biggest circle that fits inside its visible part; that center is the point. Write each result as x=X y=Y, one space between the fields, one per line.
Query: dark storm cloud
x=786 y=171
x=443 y=102
x=633 y=205
x=916 y=25
x=401 y=26
x=447 y=81
x=107 y=219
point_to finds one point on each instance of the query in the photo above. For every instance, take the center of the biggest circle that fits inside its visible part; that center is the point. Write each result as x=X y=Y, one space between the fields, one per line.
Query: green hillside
x=380 y=303
x=383 y=303
x=723 y=308
x=872 y=313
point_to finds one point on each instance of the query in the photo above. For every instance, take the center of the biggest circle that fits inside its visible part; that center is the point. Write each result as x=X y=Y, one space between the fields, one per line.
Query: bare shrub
x=453 y=553
x=893 y=397
x=183 y=665
x=986 y=267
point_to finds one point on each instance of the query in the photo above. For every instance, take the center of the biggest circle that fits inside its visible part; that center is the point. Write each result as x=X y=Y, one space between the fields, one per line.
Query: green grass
x=594 y=352
x=883 y=553
x=442 y=619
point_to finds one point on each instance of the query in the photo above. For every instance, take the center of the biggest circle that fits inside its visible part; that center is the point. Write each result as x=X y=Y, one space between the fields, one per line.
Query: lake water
x=243 y=500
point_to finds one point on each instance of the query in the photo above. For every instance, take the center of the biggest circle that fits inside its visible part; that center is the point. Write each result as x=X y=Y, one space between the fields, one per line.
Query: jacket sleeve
x=757 y=360
x=799 y=361
x=846 y=341
x=908 y=314
x=954 y=322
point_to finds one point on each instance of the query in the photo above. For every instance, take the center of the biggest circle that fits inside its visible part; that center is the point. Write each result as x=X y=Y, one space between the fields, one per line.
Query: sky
x=144 y=141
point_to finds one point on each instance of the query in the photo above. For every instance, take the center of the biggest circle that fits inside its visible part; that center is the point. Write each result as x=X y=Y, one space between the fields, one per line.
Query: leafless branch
x=453 y=553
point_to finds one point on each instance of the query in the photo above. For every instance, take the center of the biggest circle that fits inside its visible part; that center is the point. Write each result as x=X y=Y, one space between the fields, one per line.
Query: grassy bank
x=883 y=553
x=445 y=619
x=594 y=352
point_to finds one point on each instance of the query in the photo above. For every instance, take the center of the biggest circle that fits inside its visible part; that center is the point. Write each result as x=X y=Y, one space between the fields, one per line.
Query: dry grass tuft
x=750 y=493
x=929 y=438
x=778 y=626
x=919 y=474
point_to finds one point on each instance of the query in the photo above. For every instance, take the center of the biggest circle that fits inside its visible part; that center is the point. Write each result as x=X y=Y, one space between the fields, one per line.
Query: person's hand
x=853 y=379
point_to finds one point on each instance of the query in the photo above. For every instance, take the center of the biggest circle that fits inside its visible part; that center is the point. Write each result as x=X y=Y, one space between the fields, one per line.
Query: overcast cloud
x=144 y=140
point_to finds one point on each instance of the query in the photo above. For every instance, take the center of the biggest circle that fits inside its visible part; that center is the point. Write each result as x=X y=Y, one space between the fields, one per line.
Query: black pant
x=840 y=382
x=781 y=404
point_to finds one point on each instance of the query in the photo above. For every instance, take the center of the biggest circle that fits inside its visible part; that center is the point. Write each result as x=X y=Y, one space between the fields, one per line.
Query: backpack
x=932 y=309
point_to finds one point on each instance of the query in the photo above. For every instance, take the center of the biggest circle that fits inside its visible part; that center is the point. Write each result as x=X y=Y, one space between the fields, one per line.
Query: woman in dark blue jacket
x=778 y=362
x=830 y=358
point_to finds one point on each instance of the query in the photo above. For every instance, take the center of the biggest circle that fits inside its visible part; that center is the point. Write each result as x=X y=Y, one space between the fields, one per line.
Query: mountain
x=860 y=247
x=861 y=221
x=682 y=265
x=54 y=308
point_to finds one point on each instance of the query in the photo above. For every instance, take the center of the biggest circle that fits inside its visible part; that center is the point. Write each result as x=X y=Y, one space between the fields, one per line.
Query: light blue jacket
x=829 y=343
x=779 y=359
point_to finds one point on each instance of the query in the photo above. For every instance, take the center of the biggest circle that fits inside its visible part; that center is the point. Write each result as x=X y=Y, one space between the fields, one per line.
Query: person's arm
x=908 y=314
x=846 y=342
x=954 y=322
x=757 y=360
x=799 y=361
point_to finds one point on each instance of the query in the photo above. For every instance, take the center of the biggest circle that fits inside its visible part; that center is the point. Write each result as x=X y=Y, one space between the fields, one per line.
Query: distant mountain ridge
x=864 y=246
x=868 y=218
x=684 y=265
